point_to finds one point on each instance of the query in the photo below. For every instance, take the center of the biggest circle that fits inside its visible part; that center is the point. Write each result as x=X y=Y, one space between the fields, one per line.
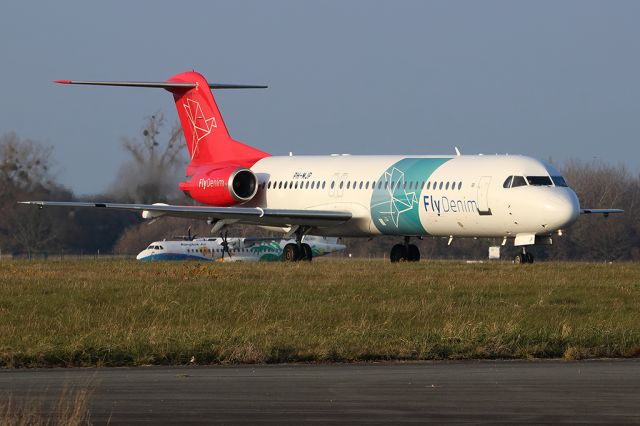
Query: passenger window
x=361 y=183
x=447 y=186
x=539 y=180
x=429 y=185
x=312 y=184
x=323 y=182
x=348 y=185
x=367 y=185
x=341 y=184
x=333 y=184
x=459 y=185
x=507 y=182
x=518 y=181
x=440 y=186
x=306 y=186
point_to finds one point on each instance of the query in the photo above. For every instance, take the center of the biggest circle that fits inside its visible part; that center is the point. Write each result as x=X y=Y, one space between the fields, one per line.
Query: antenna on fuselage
x=457 y=151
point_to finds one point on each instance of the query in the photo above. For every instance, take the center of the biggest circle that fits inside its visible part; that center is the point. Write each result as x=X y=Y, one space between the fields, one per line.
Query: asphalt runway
x=478 y=392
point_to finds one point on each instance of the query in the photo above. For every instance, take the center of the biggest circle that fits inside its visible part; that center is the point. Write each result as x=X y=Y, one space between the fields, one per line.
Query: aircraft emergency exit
x=507 y=196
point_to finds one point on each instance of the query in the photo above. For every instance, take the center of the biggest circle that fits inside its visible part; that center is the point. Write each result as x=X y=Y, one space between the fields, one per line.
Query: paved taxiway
x=461 y=392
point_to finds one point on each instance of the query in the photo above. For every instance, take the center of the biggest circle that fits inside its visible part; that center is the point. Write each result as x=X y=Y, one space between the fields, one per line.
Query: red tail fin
x=206 y=135
x=204 y=130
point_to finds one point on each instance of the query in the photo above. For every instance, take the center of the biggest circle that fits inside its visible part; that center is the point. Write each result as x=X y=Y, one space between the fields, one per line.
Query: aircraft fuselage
x=461 y=196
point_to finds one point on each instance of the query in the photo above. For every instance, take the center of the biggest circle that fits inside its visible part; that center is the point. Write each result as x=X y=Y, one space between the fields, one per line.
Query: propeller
x=187 y=237
x=225 y=244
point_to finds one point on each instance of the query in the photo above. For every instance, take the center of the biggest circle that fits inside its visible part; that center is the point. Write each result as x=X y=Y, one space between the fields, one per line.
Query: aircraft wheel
x=398 y=253
x=520 y=258
x=306 y=252
x=290 y=253
x=413 y=253
x=529 y=258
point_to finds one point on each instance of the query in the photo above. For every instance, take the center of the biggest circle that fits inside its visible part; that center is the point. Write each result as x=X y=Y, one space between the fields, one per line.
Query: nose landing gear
x=405 y=252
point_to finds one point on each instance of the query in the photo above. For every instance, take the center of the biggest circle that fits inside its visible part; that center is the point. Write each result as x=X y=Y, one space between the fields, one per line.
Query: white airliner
x=507 y=196
x=234 y=249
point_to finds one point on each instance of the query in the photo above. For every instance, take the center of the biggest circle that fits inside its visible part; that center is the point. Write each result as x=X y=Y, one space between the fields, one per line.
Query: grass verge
x=71 y=409
x=117 y=313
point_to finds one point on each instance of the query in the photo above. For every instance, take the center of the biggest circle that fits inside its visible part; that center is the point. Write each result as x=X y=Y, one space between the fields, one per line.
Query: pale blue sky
x=552 y=79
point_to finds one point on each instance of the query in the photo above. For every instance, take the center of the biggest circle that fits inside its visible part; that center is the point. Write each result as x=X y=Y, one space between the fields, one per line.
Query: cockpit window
x=539 y=180
x=507 y=183
x=559 y=181
x=160 y=248
x=518 y=181
x=151 y=247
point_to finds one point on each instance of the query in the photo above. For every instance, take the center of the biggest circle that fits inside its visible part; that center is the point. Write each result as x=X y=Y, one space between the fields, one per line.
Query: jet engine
x=222 y=187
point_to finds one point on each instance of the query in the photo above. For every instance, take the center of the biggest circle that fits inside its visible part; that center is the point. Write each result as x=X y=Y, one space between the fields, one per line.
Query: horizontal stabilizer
x=160 y=84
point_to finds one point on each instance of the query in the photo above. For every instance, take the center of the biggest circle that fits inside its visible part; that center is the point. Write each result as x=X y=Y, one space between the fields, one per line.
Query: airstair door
x=483 y=196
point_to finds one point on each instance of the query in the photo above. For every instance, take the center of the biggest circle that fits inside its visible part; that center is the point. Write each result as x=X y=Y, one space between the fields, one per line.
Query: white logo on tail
x=201 y=126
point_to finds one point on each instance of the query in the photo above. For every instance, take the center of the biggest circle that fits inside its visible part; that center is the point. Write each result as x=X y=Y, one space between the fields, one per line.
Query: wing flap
x=246 y=215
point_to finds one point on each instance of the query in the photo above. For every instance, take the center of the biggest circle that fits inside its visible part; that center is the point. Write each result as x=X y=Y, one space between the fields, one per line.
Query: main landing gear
x=523 y=257
x=405 y=252
x=294 y=252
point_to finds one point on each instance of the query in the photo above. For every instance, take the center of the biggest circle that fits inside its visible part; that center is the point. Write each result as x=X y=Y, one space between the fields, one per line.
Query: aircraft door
x=341 y=184
x=483 y=196
x=340 y=180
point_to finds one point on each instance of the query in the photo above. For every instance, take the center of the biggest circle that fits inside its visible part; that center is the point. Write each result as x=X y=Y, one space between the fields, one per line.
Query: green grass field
x=87 y=313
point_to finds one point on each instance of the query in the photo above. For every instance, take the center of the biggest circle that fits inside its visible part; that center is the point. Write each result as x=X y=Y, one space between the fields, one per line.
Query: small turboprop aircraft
x=507 y=196
x=235 y=249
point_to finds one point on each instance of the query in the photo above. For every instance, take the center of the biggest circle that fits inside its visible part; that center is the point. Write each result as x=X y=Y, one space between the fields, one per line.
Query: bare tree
x=599 y=184
x=152 y=173
x=25 y=173
x=24 y=164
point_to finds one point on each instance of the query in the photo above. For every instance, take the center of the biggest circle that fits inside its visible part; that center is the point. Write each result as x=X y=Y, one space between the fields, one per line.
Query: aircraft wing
x=605 y=212
x=246 y=215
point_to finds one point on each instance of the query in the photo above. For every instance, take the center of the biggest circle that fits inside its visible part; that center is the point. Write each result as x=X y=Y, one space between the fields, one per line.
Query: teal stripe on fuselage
x=397 y=211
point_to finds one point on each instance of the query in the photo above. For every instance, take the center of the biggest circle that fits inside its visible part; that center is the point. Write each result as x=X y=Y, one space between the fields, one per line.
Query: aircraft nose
x=561 y=208
x=140 y=255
